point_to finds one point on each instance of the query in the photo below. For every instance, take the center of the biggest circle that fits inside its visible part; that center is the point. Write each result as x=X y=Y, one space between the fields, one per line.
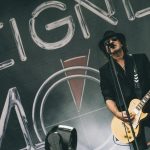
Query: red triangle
x=76 y=85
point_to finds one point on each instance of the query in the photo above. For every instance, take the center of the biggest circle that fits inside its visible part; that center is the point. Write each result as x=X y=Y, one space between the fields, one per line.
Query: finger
x=133 y=114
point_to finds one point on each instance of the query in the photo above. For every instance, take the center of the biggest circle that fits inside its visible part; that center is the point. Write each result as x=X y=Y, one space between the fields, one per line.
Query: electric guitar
x=122 y=130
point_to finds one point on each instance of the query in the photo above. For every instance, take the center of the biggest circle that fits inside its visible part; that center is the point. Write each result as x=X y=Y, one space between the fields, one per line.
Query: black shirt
x=126 y=79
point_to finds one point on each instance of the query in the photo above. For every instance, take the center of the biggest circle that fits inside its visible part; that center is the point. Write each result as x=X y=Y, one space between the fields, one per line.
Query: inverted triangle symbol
x=76 y=84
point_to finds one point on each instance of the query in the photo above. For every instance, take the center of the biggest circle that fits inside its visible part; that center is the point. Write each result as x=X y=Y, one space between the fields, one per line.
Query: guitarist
x=133 y=72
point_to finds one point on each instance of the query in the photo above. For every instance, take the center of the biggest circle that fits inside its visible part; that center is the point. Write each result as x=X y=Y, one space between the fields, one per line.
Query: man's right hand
x=123 y=116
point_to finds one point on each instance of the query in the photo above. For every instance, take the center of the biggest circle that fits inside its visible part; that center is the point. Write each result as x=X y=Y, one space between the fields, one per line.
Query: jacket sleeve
x=105 y=85
x=147 y=68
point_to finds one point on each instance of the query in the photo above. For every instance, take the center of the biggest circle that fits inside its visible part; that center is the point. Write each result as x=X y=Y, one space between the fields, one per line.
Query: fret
x=143 y=101
x=137 y=107
x=147 y=97
x=148 y=94
x=141 y=105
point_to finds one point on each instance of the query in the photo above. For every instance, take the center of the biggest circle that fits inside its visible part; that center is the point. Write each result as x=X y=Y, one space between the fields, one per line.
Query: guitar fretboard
x=143 y=101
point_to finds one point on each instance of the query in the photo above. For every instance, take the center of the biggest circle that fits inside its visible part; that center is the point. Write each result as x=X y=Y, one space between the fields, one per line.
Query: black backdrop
x=86 y=113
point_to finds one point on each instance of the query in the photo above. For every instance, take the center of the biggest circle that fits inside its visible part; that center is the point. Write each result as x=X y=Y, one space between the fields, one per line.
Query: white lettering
x=110 y=7
x=13 y=100
x=67 y=20
x=98 y=11
x=143 y=12
x=129 y=10
x=1 y=25
x=18 y=40
x=83 y=25
x=6 y=64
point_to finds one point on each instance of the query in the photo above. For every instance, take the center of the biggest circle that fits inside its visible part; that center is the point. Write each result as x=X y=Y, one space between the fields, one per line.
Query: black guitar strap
x=137 y=87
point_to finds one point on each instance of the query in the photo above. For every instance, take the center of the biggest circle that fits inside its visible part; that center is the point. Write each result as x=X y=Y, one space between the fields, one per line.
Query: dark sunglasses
x=114 y=38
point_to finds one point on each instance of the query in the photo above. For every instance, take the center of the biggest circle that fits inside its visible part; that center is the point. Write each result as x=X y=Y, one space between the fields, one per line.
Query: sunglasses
x=114 y=38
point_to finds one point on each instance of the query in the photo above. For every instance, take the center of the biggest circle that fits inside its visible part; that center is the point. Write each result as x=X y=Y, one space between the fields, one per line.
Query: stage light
x=61 y=137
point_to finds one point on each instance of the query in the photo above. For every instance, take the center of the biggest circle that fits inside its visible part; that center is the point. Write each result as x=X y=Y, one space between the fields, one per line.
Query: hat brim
x=120 y=36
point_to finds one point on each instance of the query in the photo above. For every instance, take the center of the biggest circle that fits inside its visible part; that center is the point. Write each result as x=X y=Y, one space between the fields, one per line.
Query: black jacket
x=126 y=79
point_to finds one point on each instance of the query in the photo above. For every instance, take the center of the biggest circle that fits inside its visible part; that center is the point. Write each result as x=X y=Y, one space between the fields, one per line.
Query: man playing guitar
x=133 y=73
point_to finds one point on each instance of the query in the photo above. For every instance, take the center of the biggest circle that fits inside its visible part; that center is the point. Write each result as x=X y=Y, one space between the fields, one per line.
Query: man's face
x=113 y=44
x=114 y=47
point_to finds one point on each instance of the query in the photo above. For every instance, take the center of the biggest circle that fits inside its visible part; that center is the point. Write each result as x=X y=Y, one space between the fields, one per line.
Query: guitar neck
x=144 y=100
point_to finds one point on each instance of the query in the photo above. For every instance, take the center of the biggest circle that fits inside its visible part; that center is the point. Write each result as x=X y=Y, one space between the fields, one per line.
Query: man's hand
x=123 y=116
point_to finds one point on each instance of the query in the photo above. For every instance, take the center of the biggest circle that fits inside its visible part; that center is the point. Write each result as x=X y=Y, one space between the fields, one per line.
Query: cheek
x=118 y=44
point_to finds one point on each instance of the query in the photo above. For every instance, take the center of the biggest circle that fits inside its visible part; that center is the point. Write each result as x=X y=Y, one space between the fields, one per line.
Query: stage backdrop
x=49 y=61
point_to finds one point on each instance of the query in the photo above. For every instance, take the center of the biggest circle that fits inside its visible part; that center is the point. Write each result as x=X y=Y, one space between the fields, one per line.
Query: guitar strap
x=137 y=87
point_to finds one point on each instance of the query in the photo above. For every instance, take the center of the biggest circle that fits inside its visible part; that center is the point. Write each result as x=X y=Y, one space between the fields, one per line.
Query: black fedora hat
x=108 y=34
